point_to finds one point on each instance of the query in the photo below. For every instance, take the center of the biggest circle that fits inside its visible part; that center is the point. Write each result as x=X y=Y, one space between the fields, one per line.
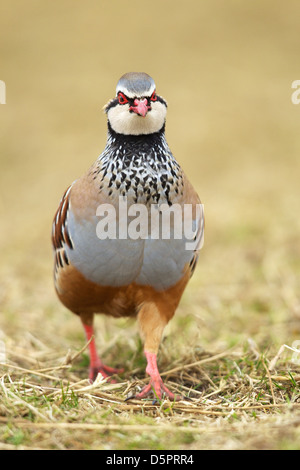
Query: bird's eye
x=154 y=96
x=122 y=98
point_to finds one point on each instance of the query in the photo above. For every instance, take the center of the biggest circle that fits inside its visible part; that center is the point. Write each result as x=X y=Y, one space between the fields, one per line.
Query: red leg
x=96 y=365
x=156 y=384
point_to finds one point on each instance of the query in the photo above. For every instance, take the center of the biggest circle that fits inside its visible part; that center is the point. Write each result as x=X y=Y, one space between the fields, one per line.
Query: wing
x=198 y=241
x=60 y=234
x=195 y=245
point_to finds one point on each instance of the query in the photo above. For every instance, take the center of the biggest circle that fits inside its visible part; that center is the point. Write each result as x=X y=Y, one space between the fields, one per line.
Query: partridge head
x=136 y=98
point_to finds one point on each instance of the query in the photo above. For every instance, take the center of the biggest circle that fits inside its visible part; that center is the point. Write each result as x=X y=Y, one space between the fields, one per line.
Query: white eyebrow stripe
x=130 y=94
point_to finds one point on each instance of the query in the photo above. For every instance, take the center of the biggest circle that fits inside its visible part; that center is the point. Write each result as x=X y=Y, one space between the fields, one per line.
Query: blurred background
x=226 y=69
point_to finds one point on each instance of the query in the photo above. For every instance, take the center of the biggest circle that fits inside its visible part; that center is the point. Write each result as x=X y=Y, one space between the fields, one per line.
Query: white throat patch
x=125 y=122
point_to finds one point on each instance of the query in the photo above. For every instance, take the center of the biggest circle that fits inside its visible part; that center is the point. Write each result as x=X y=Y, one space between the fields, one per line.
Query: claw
x=131 y=397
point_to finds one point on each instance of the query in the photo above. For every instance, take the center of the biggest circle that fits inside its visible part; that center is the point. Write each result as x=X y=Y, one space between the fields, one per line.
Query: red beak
x=140 y=107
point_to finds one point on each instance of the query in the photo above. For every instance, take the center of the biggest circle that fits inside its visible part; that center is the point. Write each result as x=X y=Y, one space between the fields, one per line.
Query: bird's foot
x=156 y=385
x=104 y=370
x=158 y=389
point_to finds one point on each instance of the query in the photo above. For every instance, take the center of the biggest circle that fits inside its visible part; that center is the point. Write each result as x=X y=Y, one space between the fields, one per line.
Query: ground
x=234 y=129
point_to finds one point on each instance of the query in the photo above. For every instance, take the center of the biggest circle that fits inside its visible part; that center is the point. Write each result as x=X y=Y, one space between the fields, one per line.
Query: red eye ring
x=122 y=98
x=154 y=96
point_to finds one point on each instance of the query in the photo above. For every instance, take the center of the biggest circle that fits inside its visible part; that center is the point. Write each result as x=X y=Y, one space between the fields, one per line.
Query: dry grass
x=226 y=70
x=232 y=401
